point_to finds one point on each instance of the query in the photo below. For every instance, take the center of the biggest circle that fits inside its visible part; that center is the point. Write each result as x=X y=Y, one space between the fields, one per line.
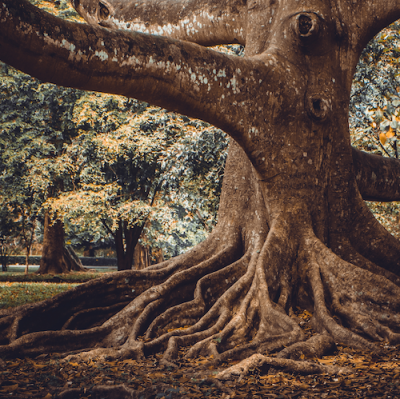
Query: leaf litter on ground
x=49 y=376
x=46 y=376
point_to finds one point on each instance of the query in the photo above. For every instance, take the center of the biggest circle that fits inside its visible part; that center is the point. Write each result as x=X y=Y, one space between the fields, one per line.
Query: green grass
x=17 y=288
x=15 y=294
x=49 y=278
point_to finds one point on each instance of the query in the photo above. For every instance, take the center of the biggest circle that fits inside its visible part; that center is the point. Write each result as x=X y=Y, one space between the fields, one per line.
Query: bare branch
x=108 y=228
x=378 y=177
x=205 y=22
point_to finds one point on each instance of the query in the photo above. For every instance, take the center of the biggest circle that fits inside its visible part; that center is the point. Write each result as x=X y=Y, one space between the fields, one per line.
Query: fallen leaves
x=47 y=375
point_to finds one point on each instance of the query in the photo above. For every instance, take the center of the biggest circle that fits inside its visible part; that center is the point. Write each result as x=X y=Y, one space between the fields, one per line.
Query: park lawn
x=19 y=293
x=17 y=288
x=74 y=277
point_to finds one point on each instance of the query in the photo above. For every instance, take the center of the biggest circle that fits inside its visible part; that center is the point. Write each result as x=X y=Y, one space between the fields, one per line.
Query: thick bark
x=378 y=178
x=292 y=229
x=199 y=22
x=56 y=258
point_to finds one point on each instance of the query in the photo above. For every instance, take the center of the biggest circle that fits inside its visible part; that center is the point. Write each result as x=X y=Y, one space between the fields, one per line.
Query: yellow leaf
x=390 y=133
x=303 y=386
x=382 y=138
x=38 y=366
x=373 y=124
x=74 y=364
x=307 y=313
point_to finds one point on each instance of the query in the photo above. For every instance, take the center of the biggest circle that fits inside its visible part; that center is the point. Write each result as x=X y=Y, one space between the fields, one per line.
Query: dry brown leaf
x=8 y=388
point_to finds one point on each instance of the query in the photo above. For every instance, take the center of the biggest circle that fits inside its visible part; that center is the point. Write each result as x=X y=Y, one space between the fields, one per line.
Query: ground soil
x=49 y=376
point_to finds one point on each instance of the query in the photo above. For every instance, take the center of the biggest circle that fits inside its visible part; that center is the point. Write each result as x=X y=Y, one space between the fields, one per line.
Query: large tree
x=293 y=229
x=35 y=122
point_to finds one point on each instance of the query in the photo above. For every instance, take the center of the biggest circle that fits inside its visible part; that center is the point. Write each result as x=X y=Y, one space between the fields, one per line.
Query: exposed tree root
x=243 y=368
x=317 y=346
x=228 y=299
x=372 y=240
x=366 y=303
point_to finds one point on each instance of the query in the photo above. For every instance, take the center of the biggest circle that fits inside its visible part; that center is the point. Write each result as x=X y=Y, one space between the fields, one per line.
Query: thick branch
x=206 y=22
x=176 y=75
x=378 y=178
x=363 y=21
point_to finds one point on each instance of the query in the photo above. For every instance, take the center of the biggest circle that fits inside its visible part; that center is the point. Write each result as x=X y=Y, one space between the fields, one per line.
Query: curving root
x=299 y=367
x=315 y=347
x=230 y=302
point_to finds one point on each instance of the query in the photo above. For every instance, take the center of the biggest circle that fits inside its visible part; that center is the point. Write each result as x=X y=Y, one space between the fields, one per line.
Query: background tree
x=6 y=232
x=53 y=154
x=132 y=166
x=35 y=122
x=292 y=230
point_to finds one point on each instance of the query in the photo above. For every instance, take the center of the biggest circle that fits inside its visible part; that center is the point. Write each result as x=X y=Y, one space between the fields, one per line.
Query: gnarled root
x=315 y=347
x=91 y=313
x=257 y=361
x=365 y=305
x=229 y=301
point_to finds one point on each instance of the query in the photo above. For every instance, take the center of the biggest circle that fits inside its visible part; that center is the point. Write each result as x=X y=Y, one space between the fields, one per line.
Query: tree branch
x=176 y=75
x=365 y=20
x=378 y=177
x=108 y=228
x=205 y=22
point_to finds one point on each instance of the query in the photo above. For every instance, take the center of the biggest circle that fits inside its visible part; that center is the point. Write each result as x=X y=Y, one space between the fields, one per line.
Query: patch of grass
x=15 y=294
x=50 y=278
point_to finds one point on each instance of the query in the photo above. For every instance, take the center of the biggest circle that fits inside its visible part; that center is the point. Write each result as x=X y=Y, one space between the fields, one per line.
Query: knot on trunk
x=306 y=25
x=317 y=107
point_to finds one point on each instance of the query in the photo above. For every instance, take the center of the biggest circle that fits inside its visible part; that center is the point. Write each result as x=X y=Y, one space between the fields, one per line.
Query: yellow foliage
x=390 y=133
x=382 y=138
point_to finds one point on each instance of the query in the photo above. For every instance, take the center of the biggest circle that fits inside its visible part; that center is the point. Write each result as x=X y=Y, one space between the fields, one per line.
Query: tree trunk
x=3 y=255
x=142 y=258
x=28 y=251
x=56 y=258
x=293 y=230
x=126 y=239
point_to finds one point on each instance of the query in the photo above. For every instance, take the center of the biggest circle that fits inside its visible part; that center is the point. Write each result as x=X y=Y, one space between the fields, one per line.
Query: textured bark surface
x=56 y=258
x=293 y=229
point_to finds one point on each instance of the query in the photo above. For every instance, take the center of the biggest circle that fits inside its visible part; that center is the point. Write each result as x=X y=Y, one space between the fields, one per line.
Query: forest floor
x=49 y=376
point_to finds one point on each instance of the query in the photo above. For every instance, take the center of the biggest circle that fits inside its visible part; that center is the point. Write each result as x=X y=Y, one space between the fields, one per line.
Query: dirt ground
x=48 y=376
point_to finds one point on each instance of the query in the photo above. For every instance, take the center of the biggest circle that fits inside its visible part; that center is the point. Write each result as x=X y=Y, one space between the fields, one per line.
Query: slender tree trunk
x=55 y=257
x=28 y=251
